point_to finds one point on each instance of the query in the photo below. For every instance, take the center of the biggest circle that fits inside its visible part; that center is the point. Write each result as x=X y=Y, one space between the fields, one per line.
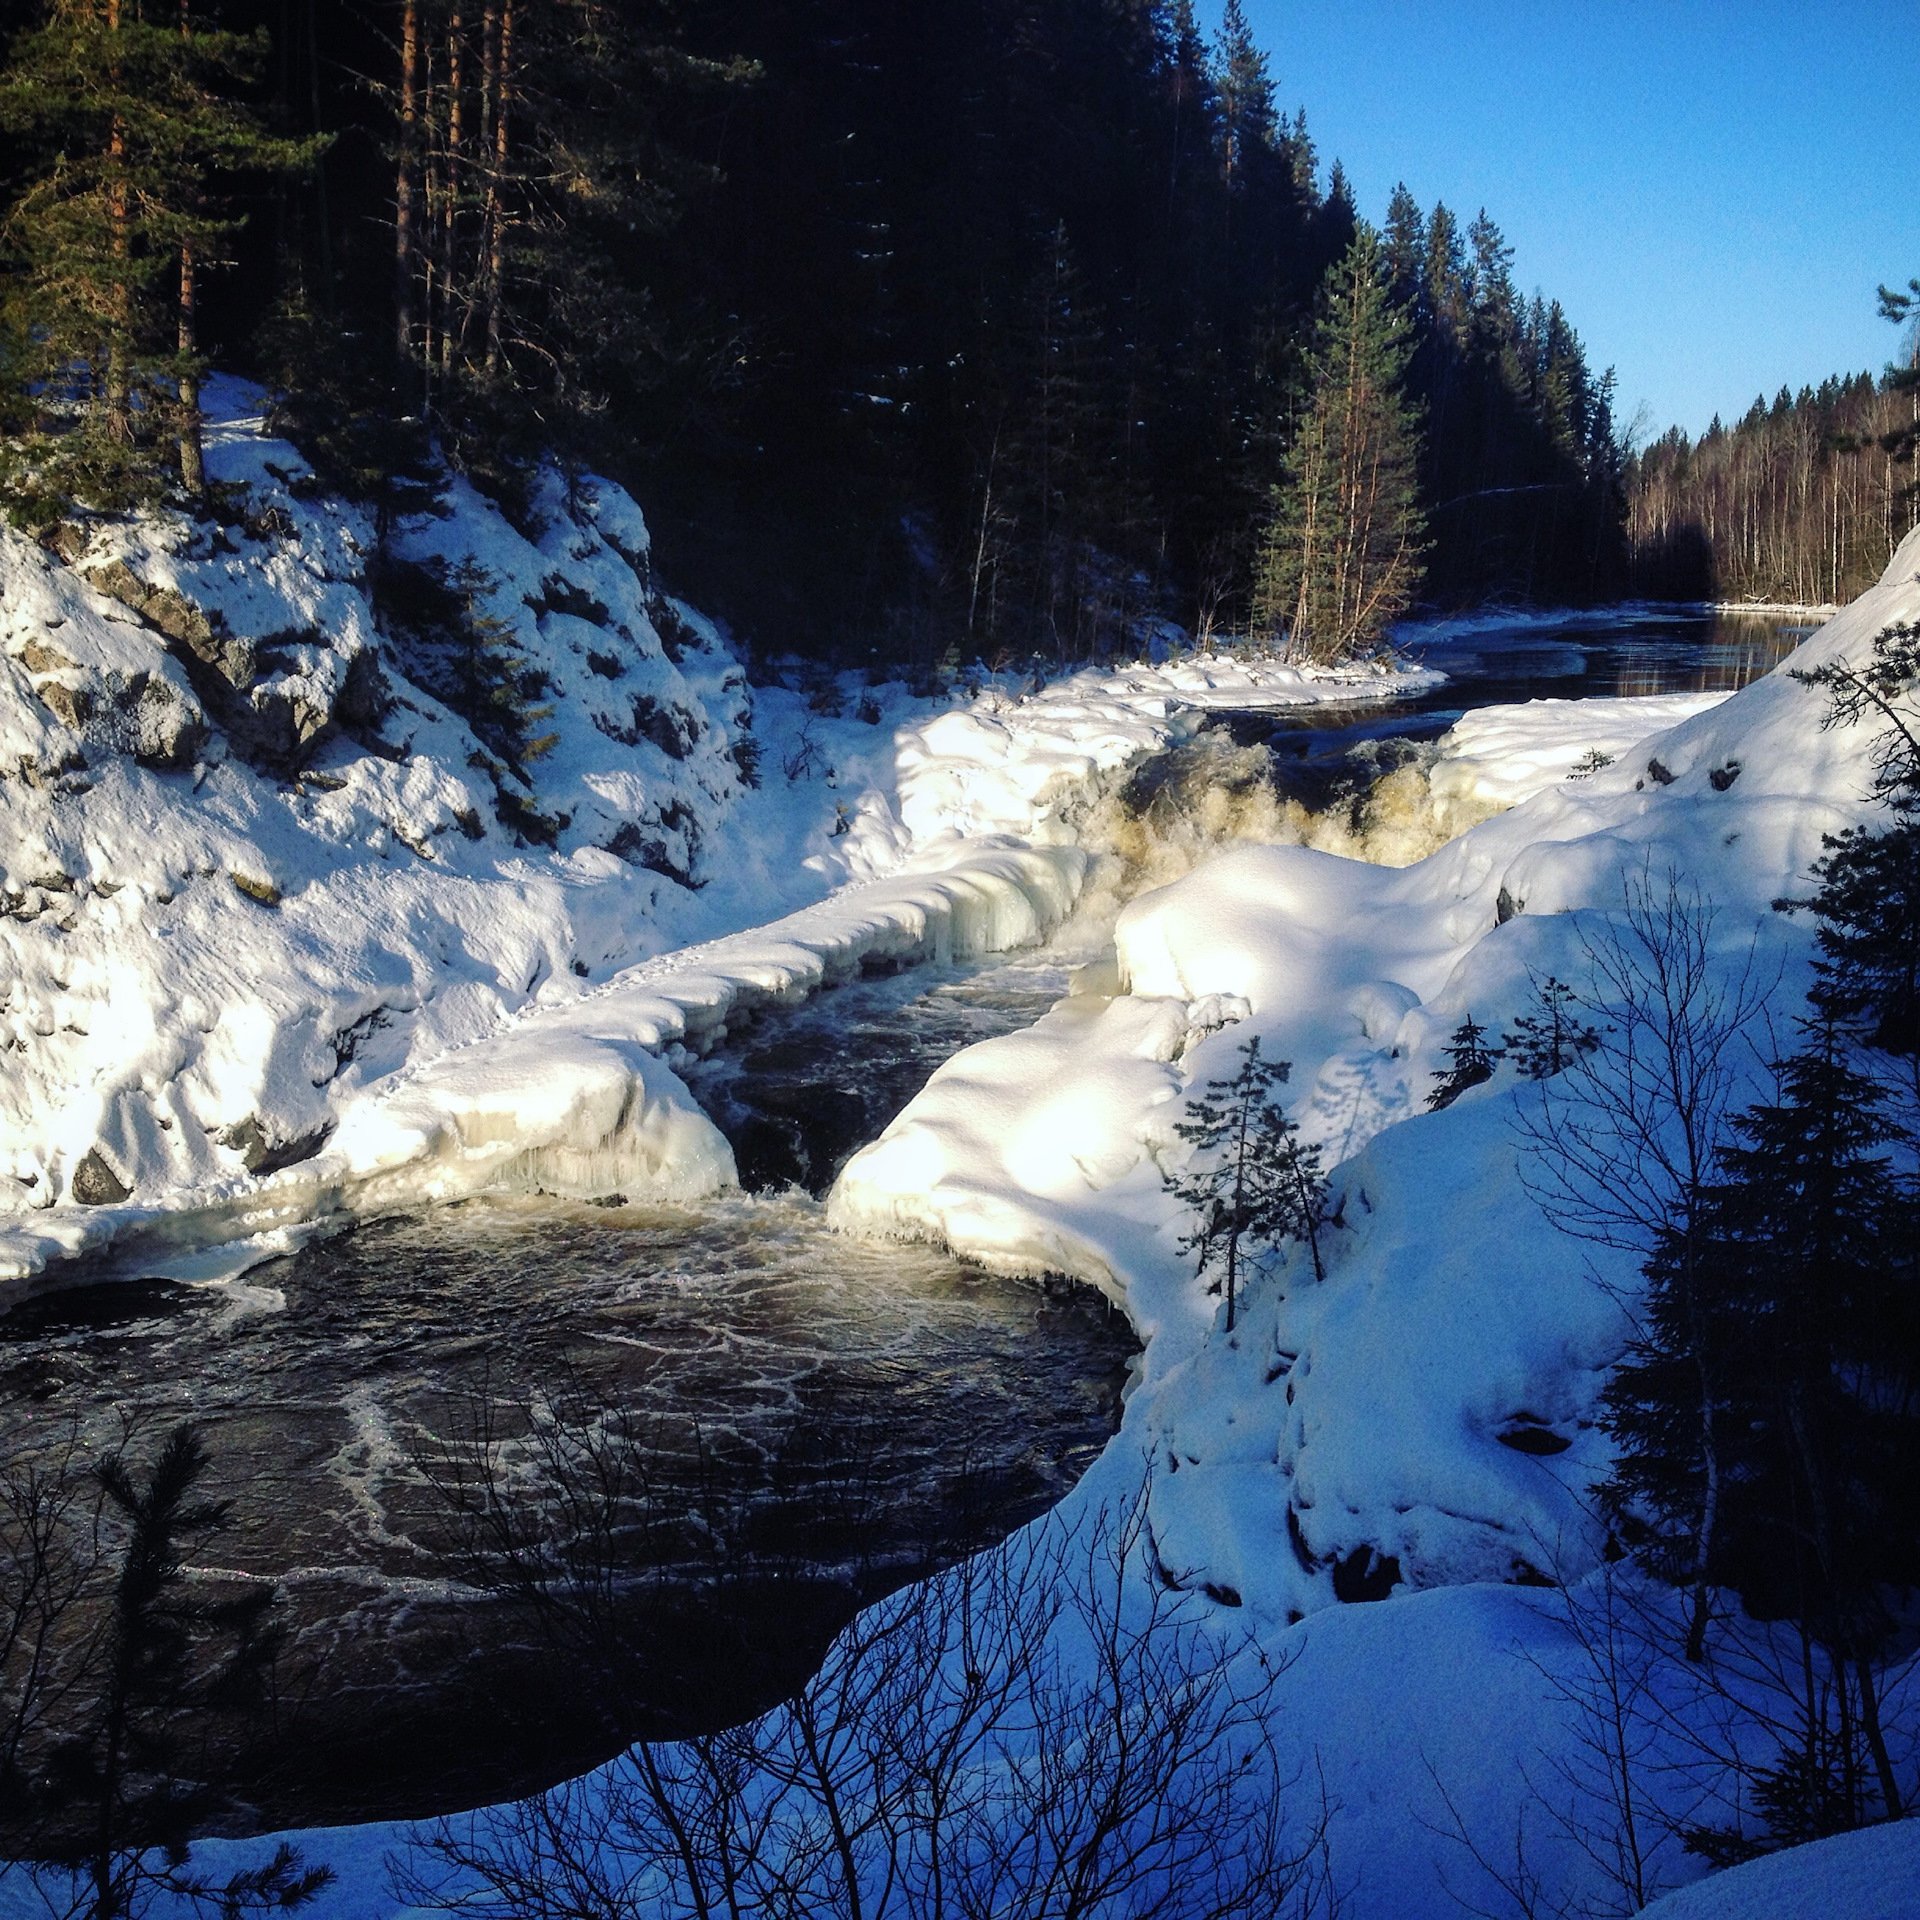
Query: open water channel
x=733 y=1422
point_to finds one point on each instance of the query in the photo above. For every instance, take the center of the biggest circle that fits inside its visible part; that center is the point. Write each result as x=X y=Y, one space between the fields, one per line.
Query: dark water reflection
x=815 y=1419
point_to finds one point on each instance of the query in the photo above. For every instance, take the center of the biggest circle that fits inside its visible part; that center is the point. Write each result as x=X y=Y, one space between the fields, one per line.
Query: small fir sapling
x=1550 y=1038
x=1472 y=1062
x=1251 y=1178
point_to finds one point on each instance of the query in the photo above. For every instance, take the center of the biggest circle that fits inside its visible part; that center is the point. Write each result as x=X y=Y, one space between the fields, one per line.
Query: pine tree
x=1471 y=1062
x=1341 y=555
x=1550 y=1038
x=134 y=126
x=1250 y=1178
x=1250 y=127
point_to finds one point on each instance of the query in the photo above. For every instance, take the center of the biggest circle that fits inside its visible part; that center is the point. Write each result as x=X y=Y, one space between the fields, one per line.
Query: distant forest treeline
x=1803 y=500
x=983 y=328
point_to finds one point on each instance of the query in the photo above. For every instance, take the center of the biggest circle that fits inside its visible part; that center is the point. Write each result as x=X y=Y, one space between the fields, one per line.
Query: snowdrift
x=1427 y=1415
x=286 y=928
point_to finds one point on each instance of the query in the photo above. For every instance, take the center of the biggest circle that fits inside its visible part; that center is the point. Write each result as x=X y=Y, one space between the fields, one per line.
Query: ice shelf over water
x=282 y=935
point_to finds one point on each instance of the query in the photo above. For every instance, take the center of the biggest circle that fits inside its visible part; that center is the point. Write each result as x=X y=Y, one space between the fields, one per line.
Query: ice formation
x=283 y=934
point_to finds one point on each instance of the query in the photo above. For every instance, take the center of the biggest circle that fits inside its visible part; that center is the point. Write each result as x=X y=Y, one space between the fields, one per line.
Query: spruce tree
x=1819 y=1517
x=1903 y=442
x=1868 y=902
x=1341 y=555
x=1470 y=1063
x=1251 y=1179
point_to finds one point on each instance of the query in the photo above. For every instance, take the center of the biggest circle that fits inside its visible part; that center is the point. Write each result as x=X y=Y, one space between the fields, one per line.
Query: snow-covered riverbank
x=1453 y=1314
x=1423 y=1417
x=283 y=934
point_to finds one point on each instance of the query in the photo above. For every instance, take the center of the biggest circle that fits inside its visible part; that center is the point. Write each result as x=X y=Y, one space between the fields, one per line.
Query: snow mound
x=1496 y=757
x=1870 y=1875
x=1427 y=1415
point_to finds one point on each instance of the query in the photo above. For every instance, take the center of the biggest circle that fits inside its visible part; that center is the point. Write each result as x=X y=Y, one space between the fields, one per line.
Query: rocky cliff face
x=284 y=805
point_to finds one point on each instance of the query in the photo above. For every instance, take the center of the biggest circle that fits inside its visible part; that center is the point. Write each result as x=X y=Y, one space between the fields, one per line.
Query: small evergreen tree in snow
x=1342 y=553
x=1470 y=1063
x=1251 y=1179
x=1550 y=1038
x=498 y=687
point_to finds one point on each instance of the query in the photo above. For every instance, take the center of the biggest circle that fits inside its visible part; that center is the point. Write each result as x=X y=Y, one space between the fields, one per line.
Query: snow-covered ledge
x=1428 y=1414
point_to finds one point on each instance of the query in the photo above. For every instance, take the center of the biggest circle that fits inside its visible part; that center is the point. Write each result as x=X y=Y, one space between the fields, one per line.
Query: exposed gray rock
x=71 y=706
x=204 y=636
x=262 y=1153
x=95 y=1184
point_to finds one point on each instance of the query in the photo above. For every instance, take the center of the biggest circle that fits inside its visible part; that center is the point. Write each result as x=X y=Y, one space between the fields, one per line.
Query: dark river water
x=1316 y=752
x=724 y=1424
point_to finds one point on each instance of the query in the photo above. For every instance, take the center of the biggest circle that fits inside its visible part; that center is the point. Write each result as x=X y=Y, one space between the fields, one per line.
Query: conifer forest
x=929 y=992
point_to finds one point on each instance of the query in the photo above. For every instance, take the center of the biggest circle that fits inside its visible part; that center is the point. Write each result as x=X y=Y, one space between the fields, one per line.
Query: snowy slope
x=1432 y=1404
x=263 y=894
x=1871 y=1875
x=250 y=865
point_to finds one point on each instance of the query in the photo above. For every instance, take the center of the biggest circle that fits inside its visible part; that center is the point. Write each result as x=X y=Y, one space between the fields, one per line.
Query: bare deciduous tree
x=1045 y=1732
x=1624 y=1140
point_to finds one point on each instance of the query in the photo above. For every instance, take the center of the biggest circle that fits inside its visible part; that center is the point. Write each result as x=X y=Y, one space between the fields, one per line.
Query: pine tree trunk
x=497 y=224
x=403 y=235
x=193 y=467
x=323 y=222
x=119 y=221
x=450 y=219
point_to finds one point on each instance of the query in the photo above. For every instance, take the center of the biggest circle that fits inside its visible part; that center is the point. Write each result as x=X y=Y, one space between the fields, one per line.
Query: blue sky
x=1712 y=190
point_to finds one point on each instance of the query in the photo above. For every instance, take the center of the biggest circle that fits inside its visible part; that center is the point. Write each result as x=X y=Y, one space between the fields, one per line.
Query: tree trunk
x=119 y=222
x=403 y=236
x=497 y=224
x=450 y=218
x=193 y=466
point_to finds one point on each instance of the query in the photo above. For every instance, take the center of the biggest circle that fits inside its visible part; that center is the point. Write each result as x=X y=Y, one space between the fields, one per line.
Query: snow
x=1870 y=1875
x=273 y=947
x=1495 y=757
x=1351 y=1431
x=1364 y=1417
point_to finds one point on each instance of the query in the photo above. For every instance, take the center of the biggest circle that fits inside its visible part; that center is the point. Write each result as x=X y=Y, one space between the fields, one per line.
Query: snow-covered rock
x=286 y=926
x=1427 y=1414
x=1495 y=757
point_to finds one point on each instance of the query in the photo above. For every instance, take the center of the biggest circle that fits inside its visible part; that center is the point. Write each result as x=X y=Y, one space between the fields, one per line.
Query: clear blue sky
x=1712 y=188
